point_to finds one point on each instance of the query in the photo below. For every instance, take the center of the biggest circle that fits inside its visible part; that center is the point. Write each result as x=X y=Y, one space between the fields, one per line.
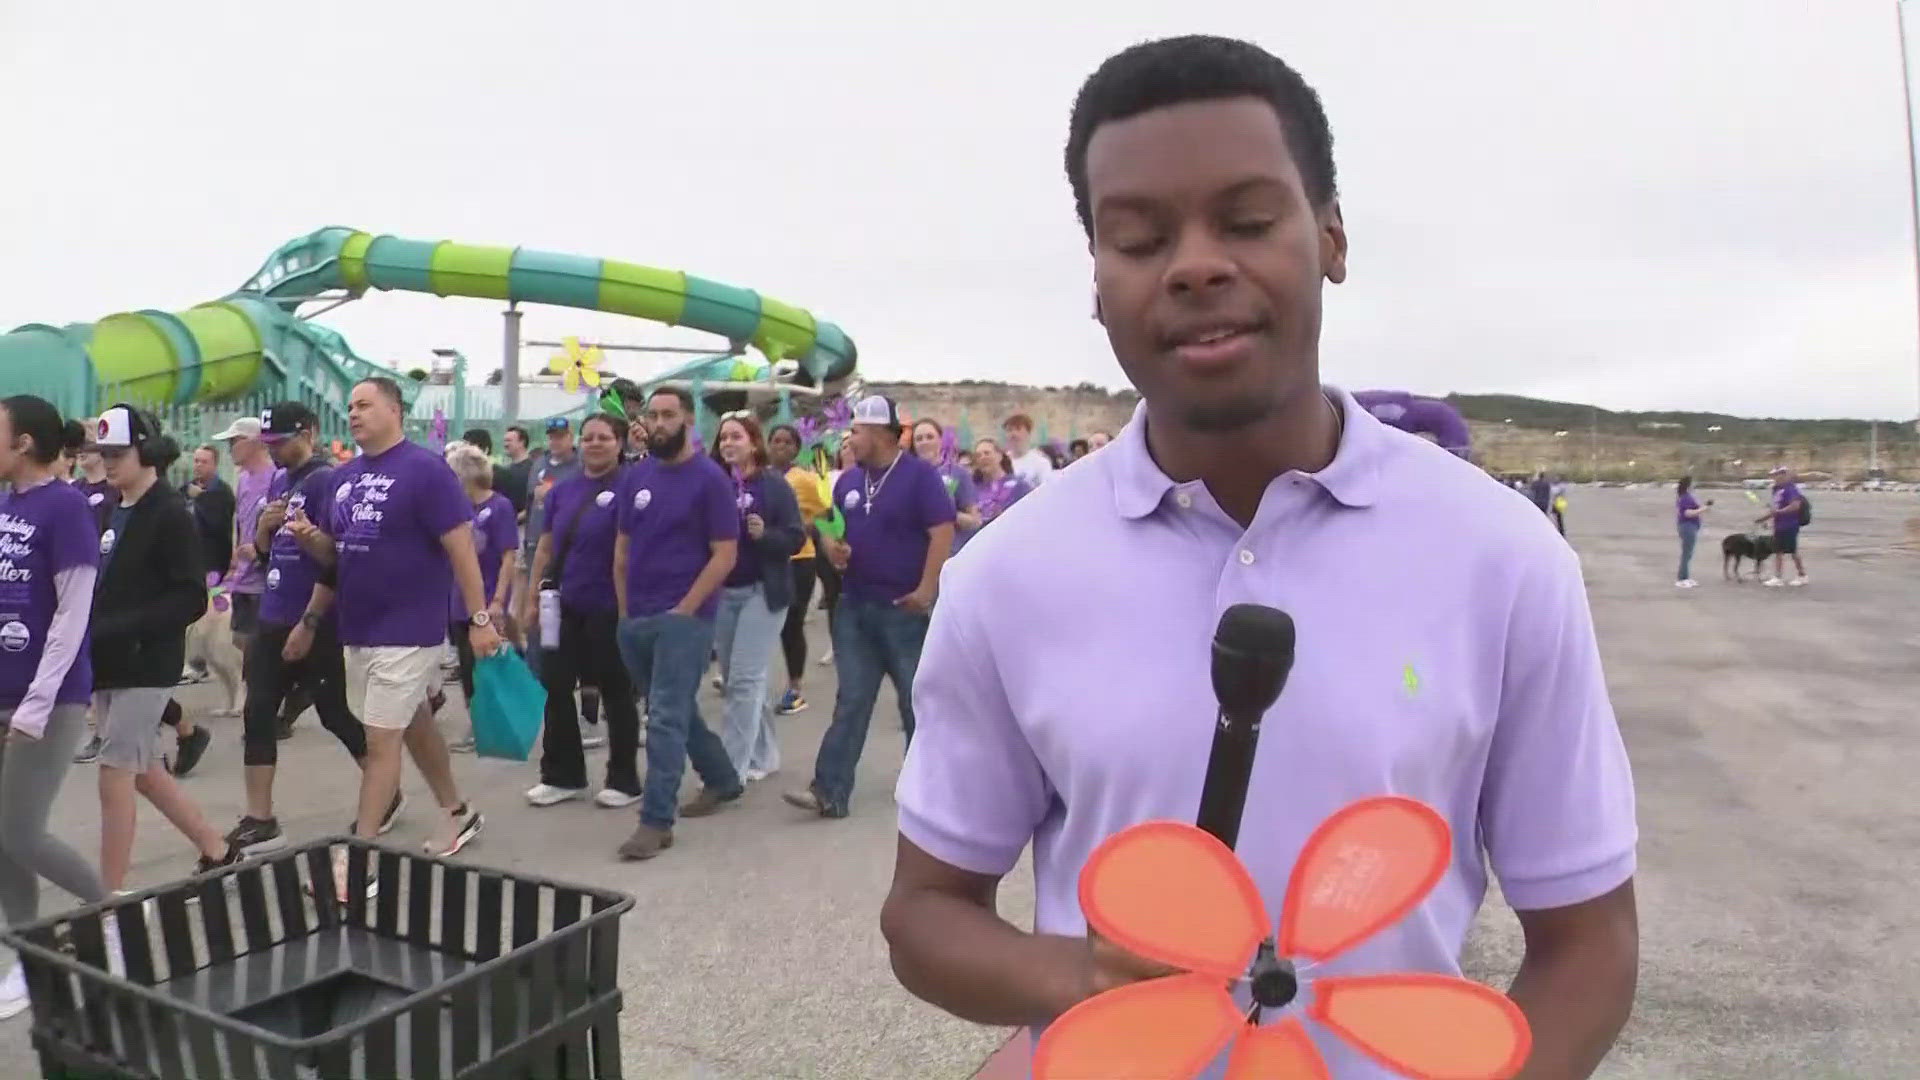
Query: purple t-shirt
x=43 y=530
x=494 y=534
x=1479 y=692
x=959 y=485
x=887 y=522
x=1782 y=498
x=672 y=515
x=994 y=497
x=751 y=498
x=1682 y=505
x=96 y=491
x=250 y=497
x=388 y=515
x=586 y=578
x=291 y=572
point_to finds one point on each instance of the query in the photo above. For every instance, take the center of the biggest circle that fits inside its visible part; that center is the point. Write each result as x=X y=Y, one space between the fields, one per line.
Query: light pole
x=510 y=366
x=1913 y=167
x=459 y=361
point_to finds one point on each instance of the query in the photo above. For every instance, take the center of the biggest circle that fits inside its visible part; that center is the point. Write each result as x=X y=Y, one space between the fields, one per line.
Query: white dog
x=210 y=643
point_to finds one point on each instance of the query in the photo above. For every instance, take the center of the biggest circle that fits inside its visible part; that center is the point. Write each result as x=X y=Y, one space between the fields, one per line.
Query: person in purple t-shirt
x=574 y=559
x=1784 y=511
x=246 y=578
x=297 y=644
x=679 y=538
x=1689 y=509
x=49 y=554
x=899 y=533
x=931 y=444
x=995 y=484
x=398 y=533
x=1202 y=173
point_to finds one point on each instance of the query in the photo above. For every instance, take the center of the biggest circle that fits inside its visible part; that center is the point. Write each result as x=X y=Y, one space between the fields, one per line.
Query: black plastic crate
x=256 y=971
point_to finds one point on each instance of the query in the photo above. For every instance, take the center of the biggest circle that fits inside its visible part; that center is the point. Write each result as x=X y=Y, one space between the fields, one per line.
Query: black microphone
x=1252 y=656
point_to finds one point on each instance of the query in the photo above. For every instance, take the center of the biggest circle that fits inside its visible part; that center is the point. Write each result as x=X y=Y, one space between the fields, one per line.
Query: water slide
x=253 y=341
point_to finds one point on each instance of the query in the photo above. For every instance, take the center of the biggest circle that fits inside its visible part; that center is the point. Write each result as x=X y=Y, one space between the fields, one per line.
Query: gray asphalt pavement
x=1773 y=733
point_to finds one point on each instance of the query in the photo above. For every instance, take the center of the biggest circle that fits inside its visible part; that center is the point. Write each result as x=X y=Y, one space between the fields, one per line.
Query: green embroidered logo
x=1410 y=679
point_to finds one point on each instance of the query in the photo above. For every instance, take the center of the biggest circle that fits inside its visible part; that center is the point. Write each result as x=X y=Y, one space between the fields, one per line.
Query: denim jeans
x=870 y=640
x=746 y=634
x=667 y=654
x=1689 y=534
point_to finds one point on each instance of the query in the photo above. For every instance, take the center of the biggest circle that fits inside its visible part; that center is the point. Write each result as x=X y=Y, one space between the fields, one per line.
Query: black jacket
x=782 y=537
x=151 y=590
x=213 y=512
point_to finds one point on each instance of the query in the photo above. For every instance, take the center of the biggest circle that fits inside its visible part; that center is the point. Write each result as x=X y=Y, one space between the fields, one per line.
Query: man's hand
x=195 y=489
x=302 y=527
x=299 y=641
x=919 y=601
x=756 y=528
x=838 y=553
x=484 y=639
x=274 y=515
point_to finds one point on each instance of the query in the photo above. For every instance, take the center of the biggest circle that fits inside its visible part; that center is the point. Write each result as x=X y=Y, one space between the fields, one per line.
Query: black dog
x=1742 y=546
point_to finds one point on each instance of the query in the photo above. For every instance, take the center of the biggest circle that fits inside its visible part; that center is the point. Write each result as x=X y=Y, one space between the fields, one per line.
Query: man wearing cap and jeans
x=246 y=577
x=899 y=532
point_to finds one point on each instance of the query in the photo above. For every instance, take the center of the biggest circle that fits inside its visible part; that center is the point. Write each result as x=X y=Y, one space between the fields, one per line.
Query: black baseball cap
x=285 y=419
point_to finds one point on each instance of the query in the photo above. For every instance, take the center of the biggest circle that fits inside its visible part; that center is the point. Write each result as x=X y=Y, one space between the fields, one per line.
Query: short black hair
x=686 y=397
x=525 y=439
x=1199 y=67
x=388 y=389
x=480 y=437
x=36 y=418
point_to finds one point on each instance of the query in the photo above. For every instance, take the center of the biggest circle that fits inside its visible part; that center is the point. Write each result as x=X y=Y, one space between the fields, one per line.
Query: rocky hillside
x=1510 y=433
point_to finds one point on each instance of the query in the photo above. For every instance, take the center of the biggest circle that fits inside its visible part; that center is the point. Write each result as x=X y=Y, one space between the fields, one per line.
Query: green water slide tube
x=345 y=259
x=253 y=342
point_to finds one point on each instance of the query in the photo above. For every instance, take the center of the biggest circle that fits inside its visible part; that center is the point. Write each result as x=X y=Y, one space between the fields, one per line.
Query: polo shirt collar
x=1352 y=478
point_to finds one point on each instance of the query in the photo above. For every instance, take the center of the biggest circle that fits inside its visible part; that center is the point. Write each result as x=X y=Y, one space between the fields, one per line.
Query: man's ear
x=1333 y=243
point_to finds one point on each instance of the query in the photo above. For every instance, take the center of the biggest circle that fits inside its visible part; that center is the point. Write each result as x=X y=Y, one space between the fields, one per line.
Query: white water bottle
x=549 y=618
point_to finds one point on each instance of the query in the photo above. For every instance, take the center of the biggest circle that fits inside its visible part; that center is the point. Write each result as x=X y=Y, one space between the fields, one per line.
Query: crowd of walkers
x=625 y=560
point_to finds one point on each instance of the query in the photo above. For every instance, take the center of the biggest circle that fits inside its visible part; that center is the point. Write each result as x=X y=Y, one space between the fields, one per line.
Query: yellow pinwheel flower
x=577 y=364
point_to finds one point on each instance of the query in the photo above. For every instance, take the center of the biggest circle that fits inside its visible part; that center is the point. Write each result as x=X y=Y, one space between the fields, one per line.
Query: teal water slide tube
x=253 y=340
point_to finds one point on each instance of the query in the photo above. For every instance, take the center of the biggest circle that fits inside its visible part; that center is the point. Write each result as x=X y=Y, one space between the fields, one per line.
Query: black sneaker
x=208 y=863
x=398 y=804
x=257 y=836
x=89 y=753
x=191 y=749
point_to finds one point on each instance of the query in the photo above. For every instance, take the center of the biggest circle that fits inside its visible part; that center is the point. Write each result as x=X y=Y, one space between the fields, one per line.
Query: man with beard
x=679 y=536
x=1202 y=172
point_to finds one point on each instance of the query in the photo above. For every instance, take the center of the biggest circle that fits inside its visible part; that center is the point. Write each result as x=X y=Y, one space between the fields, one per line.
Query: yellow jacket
x=810 y=490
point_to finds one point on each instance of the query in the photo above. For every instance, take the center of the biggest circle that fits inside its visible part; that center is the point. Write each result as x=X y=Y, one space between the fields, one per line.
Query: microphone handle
x=1224 y=795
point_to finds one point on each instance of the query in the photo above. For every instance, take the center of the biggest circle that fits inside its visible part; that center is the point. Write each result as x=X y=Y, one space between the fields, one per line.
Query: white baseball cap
x=876 y=409
x=121 y=426
x=243 y=427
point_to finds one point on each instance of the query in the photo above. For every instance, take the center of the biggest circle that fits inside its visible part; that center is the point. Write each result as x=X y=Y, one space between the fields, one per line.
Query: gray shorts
x=128 y=723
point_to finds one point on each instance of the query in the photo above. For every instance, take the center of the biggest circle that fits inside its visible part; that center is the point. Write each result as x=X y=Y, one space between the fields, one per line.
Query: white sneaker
x=548 y=795
x=1773 y=583
x=826 y=658
x=13 y=993
x=1687 y=584
x=1798 y=582
x=754 y=776
x=614 y=800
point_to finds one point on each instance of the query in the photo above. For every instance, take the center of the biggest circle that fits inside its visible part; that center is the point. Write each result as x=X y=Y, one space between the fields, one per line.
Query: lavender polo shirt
x=1469 y=680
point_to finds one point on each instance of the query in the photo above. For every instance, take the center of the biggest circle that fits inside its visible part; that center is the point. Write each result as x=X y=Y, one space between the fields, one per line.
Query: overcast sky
x=1641 y=204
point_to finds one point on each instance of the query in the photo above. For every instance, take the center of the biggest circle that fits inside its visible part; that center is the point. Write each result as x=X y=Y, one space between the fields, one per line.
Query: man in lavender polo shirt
x=679 y=536
x=899 y=533
x=1783 y=511
x=1203 y=175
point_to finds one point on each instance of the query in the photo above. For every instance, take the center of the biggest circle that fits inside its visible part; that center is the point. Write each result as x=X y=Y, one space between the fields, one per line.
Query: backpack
x=1806 y=510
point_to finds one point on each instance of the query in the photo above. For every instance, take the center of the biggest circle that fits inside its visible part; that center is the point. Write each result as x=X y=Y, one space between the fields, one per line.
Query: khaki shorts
x=397 y=678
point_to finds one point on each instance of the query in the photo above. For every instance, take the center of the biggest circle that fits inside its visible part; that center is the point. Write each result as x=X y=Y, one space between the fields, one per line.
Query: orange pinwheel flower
x=1170 y=892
